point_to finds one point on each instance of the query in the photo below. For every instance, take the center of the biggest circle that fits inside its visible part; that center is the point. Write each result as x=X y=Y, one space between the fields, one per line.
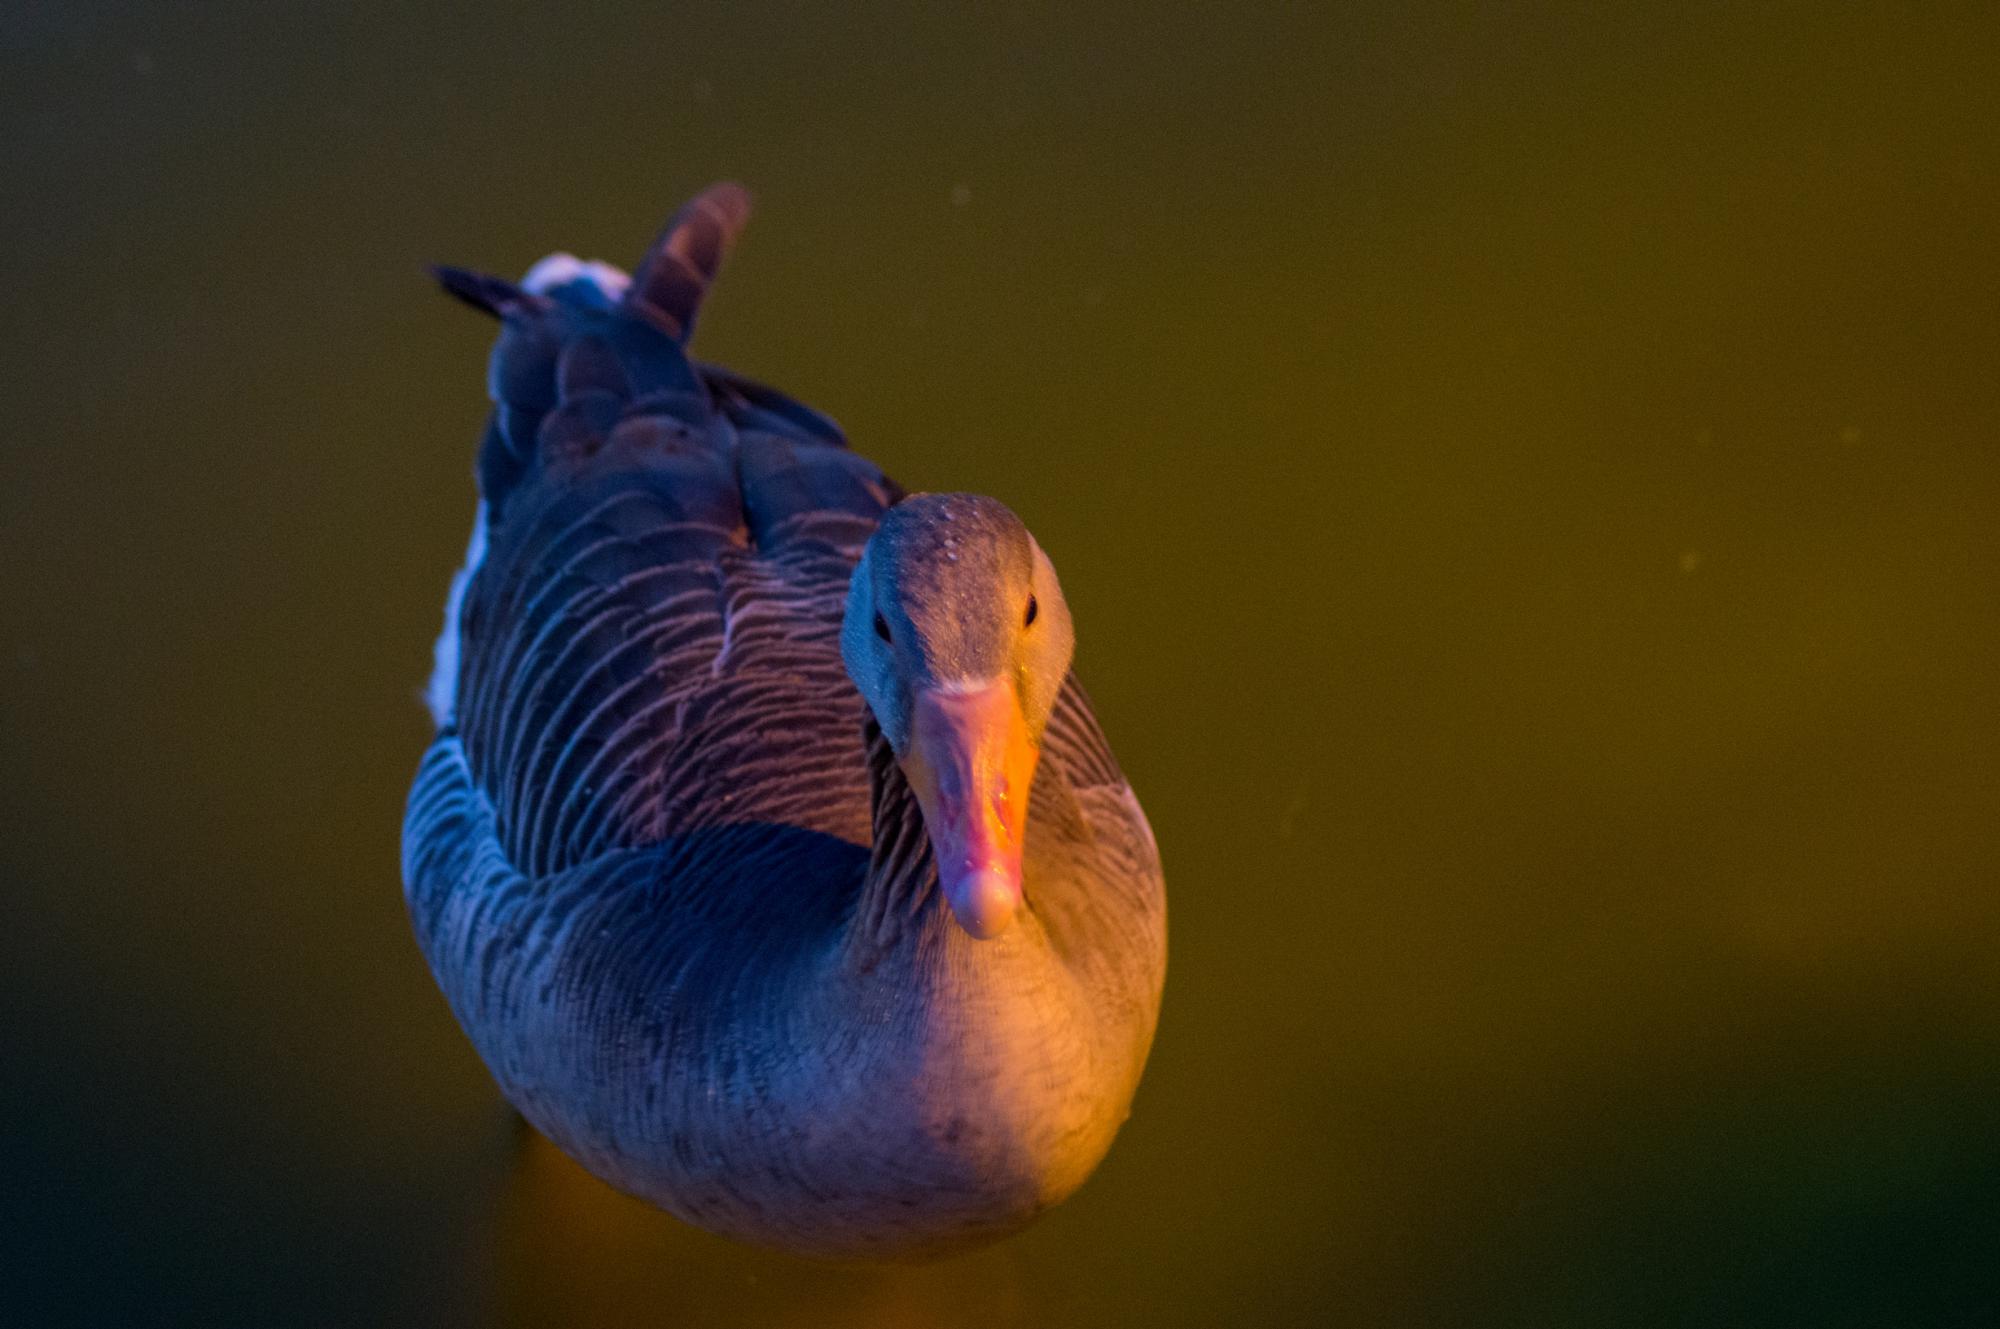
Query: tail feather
x=675 y=274
x=493 y=295
x=585 y=352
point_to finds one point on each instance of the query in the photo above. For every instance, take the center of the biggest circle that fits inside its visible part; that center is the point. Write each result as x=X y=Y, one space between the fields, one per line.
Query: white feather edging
x=441 y=695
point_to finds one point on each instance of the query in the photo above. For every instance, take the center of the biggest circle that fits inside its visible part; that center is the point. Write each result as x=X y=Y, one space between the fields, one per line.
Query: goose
x=768 y=851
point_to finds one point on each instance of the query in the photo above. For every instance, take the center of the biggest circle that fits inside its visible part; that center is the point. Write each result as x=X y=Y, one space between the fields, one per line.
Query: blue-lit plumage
x=662 y=860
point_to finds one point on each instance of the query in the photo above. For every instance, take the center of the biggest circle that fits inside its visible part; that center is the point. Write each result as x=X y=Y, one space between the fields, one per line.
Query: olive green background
x=1524 y=475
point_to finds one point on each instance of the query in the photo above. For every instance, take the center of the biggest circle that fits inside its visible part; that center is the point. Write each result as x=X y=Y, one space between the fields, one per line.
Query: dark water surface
x=1525 y=477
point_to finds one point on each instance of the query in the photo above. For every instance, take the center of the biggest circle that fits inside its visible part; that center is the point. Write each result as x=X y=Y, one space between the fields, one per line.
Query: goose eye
x=882 y=627
x=1033 y=609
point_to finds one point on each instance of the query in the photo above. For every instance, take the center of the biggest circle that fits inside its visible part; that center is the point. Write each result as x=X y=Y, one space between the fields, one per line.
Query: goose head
x=957 y=635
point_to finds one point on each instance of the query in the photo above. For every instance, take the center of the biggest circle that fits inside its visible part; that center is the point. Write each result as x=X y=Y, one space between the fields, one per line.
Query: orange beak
x=970 y=762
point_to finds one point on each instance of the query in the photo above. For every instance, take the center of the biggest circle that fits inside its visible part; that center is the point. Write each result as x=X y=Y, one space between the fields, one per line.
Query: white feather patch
x=561 y=269
x=442 y=693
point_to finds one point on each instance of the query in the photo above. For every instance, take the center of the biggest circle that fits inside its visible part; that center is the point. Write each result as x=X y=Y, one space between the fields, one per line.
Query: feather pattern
x=659 y=855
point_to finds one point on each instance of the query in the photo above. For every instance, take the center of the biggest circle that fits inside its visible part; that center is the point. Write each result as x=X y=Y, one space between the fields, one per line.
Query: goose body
x=714 y=701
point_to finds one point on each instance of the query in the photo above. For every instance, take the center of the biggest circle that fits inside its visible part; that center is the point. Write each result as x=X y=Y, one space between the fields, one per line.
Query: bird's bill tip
x=984 y=900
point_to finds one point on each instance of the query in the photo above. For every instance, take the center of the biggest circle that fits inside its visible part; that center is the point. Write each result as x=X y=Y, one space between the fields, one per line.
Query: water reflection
x=568 y=1250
